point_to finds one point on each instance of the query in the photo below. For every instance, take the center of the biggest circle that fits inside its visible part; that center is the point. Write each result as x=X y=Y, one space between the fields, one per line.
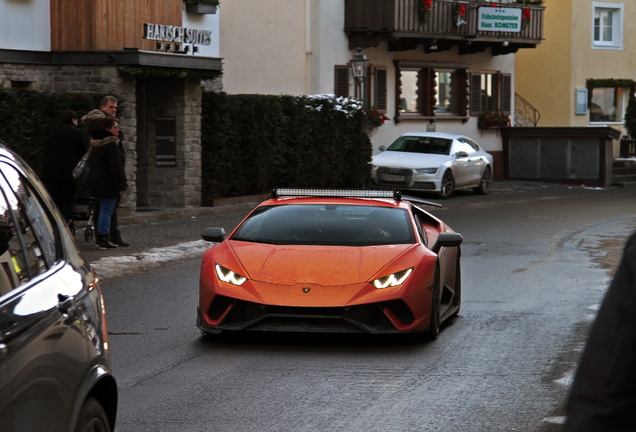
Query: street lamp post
x=359 y=65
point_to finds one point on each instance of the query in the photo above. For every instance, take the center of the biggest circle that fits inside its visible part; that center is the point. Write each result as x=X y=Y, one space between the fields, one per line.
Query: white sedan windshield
x=427 y=145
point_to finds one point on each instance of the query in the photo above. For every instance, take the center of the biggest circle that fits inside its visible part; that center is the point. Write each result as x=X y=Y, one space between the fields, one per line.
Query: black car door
x=42 y=354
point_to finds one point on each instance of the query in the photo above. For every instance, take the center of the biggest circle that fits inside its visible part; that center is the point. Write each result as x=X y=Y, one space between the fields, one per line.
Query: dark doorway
x=142 y=145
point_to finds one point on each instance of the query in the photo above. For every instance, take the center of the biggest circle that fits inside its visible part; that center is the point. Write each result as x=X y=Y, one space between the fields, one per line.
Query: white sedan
x=433 y=162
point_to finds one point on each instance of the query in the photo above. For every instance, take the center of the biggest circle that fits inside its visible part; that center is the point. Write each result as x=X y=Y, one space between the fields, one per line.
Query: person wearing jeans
x=106 y=177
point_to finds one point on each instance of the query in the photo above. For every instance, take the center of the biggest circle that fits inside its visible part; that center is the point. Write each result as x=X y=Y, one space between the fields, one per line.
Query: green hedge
x=27 y=117
x=250 y=143
x=253 y=143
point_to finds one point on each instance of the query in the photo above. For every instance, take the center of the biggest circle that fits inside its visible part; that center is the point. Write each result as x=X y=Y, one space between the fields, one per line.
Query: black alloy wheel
x=92 y=418
x=433 y=330
x=448 y=185
x=484 y=184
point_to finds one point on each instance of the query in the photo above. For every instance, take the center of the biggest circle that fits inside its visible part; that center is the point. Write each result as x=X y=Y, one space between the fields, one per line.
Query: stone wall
x=178 y=186
x=84 y=79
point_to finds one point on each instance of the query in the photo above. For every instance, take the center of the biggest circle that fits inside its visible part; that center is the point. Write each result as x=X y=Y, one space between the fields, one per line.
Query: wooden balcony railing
x=391 y=20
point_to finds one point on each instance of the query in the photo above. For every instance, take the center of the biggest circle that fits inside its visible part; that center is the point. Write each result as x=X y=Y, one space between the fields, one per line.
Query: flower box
x=200 y=8
x=486 y=125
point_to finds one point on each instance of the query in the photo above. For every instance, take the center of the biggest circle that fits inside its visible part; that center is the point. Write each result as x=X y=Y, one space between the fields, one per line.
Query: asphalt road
x=536 y=262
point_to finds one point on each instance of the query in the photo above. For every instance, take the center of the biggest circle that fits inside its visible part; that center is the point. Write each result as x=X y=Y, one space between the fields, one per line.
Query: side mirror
x=382 y=148
x=213 y=234
x=461 y=154
x=447 y=240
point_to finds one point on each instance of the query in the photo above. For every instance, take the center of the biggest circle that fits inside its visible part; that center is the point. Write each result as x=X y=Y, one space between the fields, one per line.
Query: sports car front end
x=373 y=289
x=315 y=264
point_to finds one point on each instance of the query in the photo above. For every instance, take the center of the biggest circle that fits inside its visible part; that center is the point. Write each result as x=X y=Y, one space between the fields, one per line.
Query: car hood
x=410 y=160
x=322 y=265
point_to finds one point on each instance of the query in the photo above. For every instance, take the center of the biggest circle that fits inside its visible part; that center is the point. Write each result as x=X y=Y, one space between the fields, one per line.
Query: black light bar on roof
x=337 y=193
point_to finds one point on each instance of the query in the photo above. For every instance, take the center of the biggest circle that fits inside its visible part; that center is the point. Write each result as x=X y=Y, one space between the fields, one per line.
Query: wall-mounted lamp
x=505 y=43
x=359 y=65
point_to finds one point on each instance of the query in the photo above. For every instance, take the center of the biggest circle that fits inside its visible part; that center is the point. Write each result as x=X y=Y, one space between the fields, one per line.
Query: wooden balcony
x=369 y=22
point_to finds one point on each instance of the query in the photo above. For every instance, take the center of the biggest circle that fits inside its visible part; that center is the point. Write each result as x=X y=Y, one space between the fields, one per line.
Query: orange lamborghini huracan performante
x=322 y=260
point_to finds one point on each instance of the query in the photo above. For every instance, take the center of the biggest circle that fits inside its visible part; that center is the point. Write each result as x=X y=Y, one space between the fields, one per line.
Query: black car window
x=27 y=239
x=427 y=145
x=327 y=224
x=13 y=268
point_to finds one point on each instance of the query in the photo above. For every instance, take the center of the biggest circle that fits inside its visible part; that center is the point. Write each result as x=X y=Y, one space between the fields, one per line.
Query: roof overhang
x=132 y=57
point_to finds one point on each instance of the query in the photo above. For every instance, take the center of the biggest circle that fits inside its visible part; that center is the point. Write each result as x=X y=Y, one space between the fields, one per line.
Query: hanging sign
x=499 y=19
x=182 y=39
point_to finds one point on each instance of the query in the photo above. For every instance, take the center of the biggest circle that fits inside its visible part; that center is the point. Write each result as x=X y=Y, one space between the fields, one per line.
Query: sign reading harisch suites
x=166 y=33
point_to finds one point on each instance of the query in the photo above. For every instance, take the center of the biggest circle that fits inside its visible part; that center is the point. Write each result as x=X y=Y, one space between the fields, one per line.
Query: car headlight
x=426 y=170
x=229 y=276
x=393 y=279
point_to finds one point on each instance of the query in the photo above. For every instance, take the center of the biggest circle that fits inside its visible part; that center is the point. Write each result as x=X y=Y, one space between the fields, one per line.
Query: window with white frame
x=607 y=26
x=608 y=105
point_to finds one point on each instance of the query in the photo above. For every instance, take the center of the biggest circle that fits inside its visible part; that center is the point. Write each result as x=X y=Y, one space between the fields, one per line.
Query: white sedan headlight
x=426 y=170
x=393 y=279
x=229 y=276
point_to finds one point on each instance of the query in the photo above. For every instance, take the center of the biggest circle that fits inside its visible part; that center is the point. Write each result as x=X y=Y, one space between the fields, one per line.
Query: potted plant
x=493 y=120
x=201 y=6
x=376 y=119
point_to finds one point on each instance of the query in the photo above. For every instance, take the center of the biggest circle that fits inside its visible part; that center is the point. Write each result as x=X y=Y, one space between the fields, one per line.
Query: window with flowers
x=491 y=95
x=431 y=89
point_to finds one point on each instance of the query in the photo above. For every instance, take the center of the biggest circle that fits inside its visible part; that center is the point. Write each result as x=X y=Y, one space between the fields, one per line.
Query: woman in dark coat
x=106 y=176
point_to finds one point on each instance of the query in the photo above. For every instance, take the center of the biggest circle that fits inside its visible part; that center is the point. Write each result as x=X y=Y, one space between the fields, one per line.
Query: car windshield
x=428 y=145
x=327 y=224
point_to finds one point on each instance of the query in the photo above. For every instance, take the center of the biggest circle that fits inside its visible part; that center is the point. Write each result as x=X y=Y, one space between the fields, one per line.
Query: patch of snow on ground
x=121 y=265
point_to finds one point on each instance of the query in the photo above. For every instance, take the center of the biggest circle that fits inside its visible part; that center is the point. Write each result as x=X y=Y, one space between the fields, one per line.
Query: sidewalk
x=154 y=235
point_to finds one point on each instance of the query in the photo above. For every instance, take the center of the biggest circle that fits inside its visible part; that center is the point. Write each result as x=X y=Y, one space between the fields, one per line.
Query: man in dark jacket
x=93 y=122
x=63 y=149
x=603 y=394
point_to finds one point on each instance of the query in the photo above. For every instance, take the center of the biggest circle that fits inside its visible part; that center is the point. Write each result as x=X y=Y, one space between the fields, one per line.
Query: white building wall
x=25 y=25
x=292 y=46
x=481 y=62
x=330 y=47
x=264 y=46
x=205 y=22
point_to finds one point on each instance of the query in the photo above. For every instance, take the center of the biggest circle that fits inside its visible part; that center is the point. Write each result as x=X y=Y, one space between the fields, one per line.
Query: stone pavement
x=148 y=231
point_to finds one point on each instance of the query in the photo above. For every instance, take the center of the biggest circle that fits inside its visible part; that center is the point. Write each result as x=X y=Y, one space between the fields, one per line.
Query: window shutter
x=506 y=93
x=427 y=92
x=462 y=92
x=380 y=90
x=341 y=81
x=475 y=94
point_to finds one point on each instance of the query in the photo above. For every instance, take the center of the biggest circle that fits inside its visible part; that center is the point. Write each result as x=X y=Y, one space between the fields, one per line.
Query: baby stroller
x=83 y=211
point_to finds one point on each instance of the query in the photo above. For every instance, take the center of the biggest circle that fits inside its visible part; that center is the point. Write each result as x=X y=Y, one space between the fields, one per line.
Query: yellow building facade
x=582 y=73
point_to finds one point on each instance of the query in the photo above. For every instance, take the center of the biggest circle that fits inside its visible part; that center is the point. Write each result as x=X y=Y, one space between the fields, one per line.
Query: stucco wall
x=481 y=62
x=264 y=46
x=25 y=25
x=543 y=73
x=600 y=63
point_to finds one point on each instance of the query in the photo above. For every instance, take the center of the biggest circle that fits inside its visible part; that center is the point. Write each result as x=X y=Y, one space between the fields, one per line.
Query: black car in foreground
x=55 y=366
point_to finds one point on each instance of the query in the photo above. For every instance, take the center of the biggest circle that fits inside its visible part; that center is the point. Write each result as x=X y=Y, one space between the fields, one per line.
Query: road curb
x=139 y=218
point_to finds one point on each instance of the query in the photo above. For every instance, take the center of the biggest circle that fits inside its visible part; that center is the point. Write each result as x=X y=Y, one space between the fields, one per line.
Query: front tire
x=434 y=326
x=448 y=185
x=484 y=184
x=457 y=298
x=92 y=417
